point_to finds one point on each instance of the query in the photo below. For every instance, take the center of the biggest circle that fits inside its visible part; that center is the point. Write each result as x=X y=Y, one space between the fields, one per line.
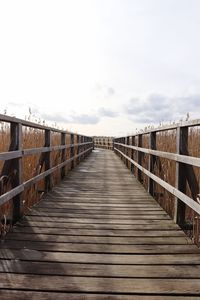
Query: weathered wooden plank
x=102 y=232
x=101 y=248
x=19 y=295
x=150 y=240
x=100 y=270
x=111 y=226
x=10 y=155
x=131 y=259
x=94 y=220
x=130 y=212
x=98 y=284
x=101 y=216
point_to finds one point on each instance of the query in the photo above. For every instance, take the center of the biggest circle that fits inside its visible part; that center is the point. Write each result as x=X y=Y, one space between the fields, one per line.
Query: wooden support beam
x=127 y=150
x=72 y=149
x=63 y=154
x=48 y=161
x=16 y=136
x=181 y=148
x=152 y=160
x=139 y=157
x=132 y=153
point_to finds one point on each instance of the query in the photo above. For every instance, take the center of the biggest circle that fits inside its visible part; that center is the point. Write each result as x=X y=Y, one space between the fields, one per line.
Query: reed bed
x=166 y=170
x=31 y=164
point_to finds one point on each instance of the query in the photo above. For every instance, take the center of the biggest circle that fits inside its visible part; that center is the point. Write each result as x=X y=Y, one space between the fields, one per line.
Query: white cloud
x=158 y=108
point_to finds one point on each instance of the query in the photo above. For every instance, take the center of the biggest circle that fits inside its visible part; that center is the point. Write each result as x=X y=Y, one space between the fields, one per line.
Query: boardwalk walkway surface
x=98 y=235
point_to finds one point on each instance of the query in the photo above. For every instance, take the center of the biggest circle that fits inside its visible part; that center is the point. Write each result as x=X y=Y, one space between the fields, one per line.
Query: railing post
x=72 y=149
x=63 y=153
x=181 y=148
x=132 y=152
x=48 y=161
x=16 y=136
x=152 y=160
x=78 y=148
x=124 y=149
x=127 y=151
x=139 y=157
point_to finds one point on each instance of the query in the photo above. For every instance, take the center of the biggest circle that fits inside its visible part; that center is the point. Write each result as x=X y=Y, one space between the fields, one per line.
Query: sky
x=100 y=67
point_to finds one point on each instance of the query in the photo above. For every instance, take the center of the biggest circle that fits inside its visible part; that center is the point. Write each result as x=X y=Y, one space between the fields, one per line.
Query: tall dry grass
x=32 y=138
x=166 y=170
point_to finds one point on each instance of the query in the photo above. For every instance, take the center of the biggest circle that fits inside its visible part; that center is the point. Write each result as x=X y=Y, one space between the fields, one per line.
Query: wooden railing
x=70 y=150
x=103 y=142
x=133 y=150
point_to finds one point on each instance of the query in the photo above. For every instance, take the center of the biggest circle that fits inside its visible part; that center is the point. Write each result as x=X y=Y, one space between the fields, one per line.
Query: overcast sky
x=103 y=67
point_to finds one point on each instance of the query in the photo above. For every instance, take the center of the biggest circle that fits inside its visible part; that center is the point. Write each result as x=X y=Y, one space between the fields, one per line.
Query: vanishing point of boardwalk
x=98 y=235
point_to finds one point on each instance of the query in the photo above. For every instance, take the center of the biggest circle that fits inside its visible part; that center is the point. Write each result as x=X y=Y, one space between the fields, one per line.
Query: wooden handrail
x=79 y=147
x=14 y=192
x=190 y=160
x=184 y=164
x=187 y=200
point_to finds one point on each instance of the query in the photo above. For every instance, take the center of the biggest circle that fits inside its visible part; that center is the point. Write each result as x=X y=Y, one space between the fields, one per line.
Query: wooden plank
x=19 y=295
x=113 y=226
x=10 y=155
x=94 y=220
x=100 y=232
x=100 y=270
x=150 y=240
x=98 y=284
x=101 y=248
x=60 y=211
x=129 y=217
x=9 y=195
x=102 y=258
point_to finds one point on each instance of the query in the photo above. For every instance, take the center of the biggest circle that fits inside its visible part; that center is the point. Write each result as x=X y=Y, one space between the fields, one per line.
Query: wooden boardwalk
x=98 y=235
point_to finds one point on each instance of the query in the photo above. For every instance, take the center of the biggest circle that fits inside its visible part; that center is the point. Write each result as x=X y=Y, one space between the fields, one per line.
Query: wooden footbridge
x=98 y=234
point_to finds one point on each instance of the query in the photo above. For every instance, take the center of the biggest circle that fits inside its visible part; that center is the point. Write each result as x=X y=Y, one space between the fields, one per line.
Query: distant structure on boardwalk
x=103 y=142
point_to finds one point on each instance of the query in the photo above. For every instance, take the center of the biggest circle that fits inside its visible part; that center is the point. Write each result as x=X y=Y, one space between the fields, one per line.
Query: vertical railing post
x=127 y=151
x=124 y=149
x=72 y=149
x=48 y=161
x=82 y=147
x=132 y=153
x=16 y=136
x=152 y=160
x=78 y=149
x=139 y=158
x=63 y=154
x=181 y=148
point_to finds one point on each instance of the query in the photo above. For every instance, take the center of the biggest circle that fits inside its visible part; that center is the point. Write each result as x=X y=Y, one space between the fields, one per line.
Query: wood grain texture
x=98 y=235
